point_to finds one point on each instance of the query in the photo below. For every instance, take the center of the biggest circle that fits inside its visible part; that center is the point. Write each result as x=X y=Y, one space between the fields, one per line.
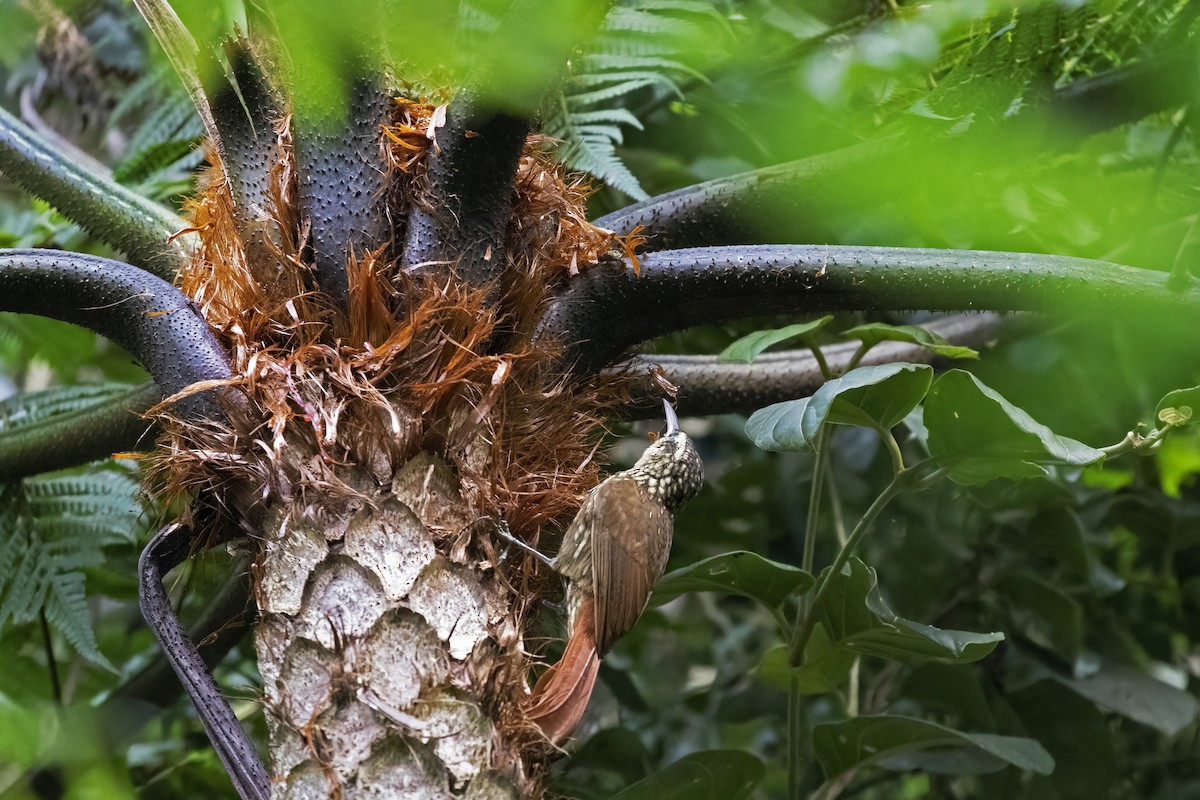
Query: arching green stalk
x=604 y=312
x=108 y=211
x=87 y=434
x=143 y=314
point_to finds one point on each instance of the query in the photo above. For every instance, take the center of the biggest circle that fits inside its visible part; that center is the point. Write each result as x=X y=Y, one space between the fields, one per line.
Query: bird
x=611 y=555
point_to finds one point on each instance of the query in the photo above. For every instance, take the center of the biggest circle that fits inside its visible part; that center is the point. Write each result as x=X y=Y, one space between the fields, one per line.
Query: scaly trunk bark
x=385 y=658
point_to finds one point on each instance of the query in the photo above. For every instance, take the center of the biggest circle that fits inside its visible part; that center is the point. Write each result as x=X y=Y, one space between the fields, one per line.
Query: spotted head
x=670 y=469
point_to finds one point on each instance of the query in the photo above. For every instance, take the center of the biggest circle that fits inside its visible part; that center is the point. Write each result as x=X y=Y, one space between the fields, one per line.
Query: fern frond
x=170 y=133
x=145 y=92
x=641 y=46
x=53 y=529
x=592 y=149
x=104 y=484
x=23 y=589
x=687 y=6
x=103 y=502
x=586 y=99
x=598 y=62
x=642 y=20
x=67 y=612
x=28 y=409
x=608 y=116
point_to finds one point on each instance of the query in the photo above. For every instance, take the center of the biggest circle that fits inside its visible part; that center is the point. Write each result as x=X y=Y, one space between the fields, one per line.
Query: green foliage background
x=1090 y=572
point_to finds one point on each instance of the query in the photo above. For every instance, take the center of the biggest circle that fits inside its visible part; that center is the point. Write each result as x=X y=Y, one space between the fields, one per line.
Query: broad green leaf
x=945 y=761
x=1178 y=461
x=898 y=743
x=1044 y=613
x=1178 y=408
x=856 y=618
x=749 y=347
x=617 y=749
x=24 y=730
x=1076 y=734
x=1056 y=534
x=740 y=572
x=774 y=667
x=978 y=436
x=873 y=397
x=952 y=689
x=65 y=348
x=1139 y=697
x=826 y=666
x=708 y=775
x=777 y=427
x=872 y=333
x=914 y=421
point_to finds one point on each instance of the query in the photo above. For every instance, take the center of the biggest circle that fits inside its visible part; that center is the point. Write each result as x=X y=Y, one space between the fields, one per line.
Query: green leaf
x=1076 y=734
x=1178 y=461
x=826 y=666
x=978 y=436
x=905 y=743
x=707 y=775
x=1139 y=697
x=1178 y=408
x=777 y=427
x=857 y=618
x=1056 y=534
x=619 y=750
x=873 y=397
x=24 y=730
x=749 y=347
x=169 y=132
x=1045 y=613
x=872 y=333
x=740 y=572
x=952 y=689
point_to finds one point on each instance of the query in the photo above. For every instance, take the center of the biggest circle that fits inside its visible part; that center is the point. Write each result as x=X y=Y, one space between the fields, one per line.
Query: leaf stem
x=51 y=661
x=858 y=356
x=900 y=483
x=822 y=364
x=796 y=736
x=112 y=213
x=814 y=498
x=852 y=688
x=795 y=723
x=893 y=448
x=835 y=507
x=785 y=625
x=1135 y=442
x=839 y=527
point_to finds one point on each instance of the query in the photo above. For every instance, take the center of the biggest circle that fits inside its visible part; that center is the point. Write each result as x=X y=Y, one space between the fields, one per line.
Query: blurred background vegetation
x=945 y=123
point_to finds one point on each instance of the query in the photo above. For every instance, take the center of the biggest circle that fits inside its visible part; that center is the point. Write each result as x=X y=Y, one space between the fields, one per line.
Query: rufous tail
x=561 y=695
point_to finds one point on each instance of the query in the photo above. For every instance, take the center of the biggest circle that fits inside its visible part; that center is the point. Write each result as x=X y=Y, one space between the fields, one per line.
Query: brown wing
x=631 y=538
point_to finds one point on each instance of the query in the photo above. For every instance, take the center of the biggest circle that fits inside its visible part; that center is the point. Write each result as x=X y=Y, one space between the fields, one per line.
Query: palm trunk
x=380 y=447
x=384 y=661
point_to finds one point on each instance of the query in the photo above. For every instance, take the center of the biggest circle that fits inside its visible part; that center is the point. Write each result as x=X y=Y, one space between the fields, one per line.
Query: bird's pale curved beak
x=672 y=420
